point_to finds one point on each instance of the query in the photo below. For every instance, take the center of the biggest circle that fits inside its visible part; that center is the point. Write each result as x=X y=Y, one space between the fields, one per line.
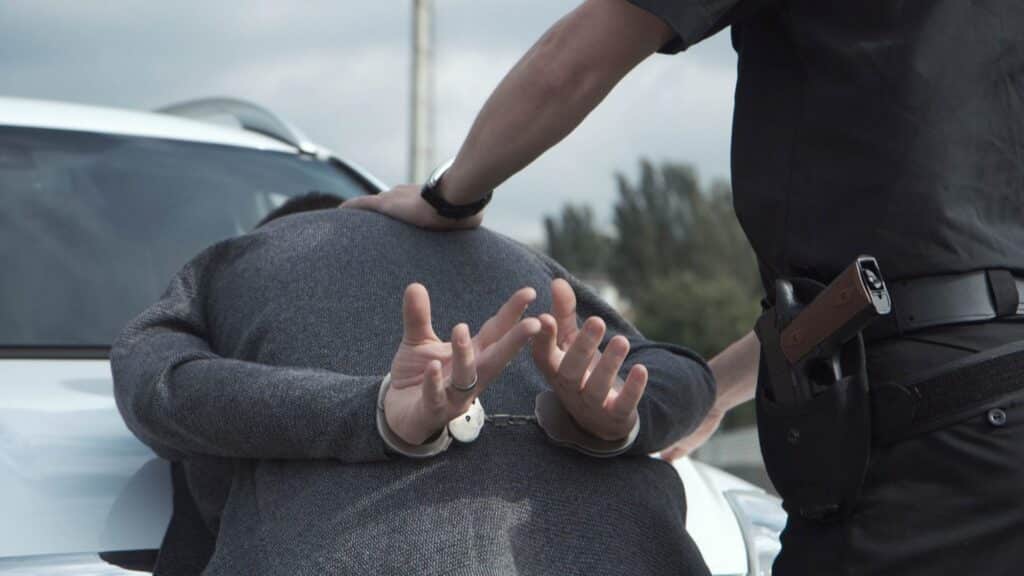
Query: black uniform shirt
x=877 y=127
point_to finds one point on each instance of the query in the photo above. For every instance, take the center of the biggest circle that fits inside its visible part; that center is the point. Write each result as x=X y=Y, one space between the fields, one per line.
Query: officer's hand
x=425 y=369
x=696 y=439
x=585 y=380
x=404 y=203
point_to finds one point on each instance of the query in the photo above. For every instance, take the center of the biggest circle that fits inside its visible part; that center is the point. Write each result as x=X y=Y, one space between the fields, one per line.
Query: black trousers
x=950 y=501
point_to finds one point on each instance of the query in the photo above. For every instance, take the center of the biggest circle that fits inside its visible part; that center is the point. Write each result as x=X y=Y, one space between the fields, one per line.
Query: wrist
x=450 y=201
x=610 y=433
x=716 y=413
x=563 y=430
x=411 y=432
x=451 y=189
x=729 y=399
x=396 y=444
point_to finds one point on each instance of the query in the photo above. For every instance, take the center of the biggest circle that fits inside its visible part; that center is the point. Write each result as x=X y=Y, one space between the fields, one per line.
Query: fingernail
x=621 y=345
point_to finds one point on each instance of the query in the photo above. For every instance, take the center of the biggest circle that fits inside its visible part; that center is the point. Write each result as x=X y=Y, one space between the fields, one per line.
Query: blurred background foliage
x=676 y=256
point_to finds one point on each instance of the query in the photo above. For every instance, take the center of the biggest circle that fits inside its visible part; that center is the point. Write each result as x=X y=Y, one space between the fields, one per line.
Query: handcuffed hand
x=587 y=381
x=426 y=371
x=404 y=203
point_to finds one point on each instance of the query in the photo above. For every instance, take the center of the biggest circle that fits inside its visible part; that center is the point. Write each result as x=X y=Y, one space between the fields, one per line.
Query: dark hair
x=304 y=203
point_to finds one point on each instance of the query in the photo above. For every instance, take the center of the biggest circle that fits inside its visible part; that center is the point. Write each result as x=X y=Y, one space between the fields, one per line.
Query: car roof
x=84 y=118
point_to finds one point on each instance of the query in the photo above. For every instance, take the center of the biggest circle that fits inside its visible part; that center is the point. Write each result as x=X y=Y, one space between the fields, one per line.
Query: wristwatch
x=431 y=192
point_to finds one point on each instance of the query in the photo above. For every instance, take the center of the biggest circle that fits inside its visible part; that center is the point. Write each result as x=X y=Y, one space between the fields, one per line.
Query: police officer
x=892 y=128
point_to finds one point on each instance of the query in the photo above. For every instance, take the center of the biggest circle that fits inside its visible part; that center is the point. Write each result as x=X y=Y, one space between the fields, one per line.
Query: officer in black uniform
x=882 y=127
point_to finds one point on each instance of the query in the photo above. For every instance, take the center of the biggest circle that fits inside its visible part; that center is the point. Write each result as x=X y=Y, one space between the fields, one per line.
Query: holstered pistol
x=813 y=408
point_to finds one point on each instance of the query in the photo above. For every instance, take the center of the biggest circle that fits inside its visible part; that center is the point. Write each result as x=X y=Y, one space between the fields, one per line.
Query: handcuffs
x=548 y=414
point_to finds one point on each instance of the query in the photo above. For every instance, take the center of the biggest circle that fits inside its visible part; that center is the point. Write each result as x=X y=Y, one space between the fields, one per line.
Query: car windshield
x=93 y=226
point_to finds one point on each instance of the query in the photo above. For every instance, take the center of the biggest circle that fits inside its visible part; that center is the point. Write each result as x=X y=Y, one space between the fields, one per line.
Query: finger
x=563 y=307
x=435 y=400
x=594 y=360
x=605 y=372
x=463 y=358
x=628 y=398
x=494 y=359
x=416 y=315
x=578 y=357
x=507 y=316
x=363 y=202
x=546 y=354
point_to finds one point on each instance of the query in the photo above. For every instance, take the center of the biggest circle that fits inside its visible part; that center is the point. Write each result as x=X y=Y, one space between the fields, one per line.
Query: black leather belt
x=902 y=409
x=949 y=299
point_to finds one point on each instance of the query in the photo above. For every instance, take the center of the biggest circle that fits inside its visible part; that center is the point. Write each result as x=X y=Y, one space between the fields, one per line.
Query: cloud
x=340 y=71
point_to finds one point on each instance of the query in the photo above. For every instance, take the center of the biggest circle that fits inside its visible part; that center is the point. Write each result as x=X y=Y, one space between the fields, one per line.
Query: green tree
x=705 y=313
x=574 y=240
x=677 y=255
x=666 y=224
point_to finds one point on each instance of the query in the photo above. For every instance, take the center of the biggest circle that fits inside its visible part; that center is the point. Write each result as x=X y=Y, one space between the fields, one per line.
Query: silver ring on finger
x=469 y=388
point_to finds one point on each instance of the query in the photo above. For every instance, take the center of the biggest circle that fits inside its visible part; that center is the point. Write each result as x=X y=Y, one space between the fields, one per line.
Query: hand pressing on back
x=405 y=203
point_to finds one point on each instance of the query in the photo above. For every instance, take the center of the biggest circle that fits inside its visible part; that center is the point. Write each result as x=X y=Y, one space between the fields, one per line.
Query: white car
x=98 y=209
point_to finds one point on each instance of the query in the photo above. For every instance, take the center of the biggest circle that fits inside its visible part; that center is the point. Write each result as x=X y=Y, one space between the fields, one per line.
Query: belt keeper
x=1003 y=290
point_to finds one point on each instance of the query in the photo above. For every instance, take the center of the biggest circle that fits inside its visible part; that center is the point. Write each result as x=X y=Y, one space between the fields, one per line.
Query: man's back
x=320 y=294
x=324 y=289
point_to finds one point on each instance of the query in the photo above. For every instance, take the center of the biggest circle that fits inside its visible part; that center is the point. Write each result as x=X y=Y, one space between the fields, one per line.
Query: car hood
x=72 y=477
x=710 y=519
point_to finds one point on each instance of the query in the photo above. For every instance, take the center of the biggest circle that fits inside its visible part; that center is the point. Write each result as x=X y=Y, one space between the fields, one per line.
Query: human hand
x=586 y=380
x=405 y=203
x=425 y=371
x=696 y=439
x=735 y=370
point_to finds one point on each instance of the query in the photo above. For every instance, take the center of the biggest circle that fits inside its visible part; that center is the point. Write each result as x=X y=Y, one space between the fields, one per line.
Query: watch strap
x=431 y=193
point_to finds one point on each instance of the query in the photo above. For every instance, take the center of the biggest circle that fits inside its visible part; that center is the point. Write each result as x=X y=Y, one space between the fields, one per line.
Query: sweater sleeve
x=680 y=387
x=180 y=398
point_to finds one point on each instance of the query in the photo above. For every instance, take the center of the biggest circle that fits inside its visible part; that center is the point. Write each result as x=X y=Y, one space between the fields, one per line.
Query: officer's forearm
x=735 y=371
x=550 y=91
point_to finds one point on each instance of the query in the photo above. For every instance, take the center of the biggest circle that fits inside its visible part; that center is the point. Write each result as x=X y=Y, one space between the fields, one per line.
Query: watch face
x=466 y=427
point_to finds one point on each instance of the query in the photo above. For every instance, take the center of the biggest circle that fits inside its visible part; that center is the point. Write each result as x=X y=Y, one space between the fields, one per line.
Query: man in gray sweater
x=311 y=418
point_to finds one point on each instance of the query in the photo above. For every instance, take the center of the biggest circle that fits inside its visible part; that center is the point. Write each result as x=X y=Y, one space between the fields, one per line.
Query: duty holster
x=813 y=415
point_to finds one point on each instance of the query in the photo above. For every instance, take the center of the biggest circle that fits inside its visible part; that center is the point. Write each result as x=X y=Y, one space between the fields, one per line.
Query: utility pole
x=422 y=121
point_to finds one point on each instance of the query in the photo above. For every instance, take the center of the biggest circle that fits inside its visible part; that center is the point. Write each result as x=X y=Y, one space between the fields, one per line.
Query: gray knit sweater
x=260 y=367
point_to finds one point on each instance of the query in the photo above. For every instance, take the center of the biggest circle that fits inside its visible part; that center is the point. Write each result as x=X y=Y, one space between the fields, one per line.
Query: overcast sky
x=340 y=71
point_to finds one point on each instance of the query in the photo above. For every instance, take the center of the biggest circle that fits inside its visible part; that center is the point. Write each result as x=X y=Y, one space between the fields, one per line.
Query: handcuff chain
x=500 y=420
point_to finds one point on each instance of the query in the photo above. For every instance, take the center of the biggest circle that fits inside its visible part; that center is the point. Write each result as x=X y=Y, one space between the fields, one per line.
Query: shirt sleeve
x=680 y=387
x=692 y=20
x=180 y=398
